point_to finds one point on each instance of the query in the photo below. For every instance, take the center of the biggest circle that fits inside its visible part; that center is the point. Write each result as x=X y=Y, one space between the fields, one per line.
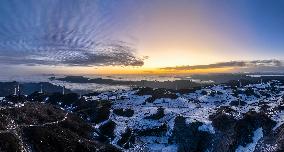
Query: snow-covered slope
x=147 y=124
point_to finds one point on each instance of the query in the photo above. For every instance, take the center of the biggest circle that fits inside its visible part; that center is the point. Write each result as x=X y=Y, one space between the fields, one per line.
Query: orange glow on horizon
x=145 y=71
x=109 y=70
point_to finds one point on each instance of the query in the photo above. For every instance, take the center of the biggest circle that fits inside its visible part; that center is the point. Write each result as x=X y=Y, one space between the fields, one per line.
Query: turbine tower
x=240 y=83
x=15 y=91
x=18 y=89
x=63 y=90
x=41 y=91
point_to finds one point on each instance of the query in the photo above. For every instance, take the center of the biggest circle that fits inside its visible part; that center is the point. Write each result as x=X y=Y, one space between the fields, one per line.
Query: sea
x=104 y=87
x=91 y=86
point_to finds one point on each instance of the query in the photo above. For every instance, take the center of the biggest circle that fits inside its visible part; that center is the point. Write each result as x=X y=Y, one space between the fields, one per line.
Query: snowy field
x=195 y=107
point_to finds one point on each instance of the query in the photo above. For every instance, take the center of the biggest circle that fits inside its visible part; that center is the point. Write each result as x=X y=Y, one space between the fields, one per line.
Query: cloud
x=114 y=54
x=231 y=64
x=63 y=32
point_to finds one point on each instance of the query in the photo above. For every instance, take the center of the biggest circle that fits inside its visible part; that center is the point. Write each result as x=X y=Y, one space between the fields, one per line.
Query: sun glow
x=126 y=70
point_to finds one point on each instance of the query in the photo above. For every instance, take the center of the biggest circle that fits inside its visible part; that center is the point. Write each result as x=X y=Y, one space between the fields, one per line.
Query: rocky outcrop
x=127 y=139
x=93 y=112
x=107 y=129
x=273 y=141
x=160 y=114
x=231 y=132
x=156 y=131
x=45 y=128
x=189 y=137
x=124 y=112
x=156 y=94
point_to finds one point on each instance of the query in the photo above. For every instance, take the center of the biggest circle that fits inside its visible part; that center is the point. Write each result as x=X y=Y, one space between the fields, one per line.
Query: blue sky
x=146 y=34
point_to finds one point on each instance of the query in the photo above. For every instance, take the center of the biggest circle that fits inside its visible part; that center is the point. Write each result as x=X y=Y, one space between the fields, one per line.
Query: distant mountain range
x=177 y=84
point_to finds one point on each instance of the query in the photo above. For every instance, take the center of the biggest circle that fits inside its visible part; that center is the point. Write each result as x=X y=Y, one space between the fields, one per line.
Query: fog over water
x=90 y=86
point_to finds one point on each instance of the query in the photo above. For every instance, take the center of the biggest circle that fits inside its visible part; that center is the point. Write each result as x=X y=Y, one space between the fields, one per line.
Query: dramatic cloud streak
x=231 y=64
x=62 y=32
x=110 y=54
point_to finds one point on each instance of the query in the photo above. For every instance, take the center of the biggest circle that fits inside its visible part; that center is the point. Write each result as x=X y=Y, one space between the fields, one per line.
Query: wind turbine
x=18 y=89
x=15 y=91
x=63 y=90
x=41 y=91
x=240 y=83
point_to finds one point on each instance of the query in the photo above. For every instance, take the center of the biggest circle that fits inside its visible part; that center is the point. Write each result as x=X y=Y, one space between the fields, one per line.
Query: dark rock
x=9 y=143
x=94 y=112
x=45 y=128
x=156 y=131
x=14 y=99
x=237 y=103
x=54 y=139
x=37 y=97
x=231 y=132
x=33 y=113
x=64 y=99
x=160 y=114
x=273 y=141
x=156 y=94
x=102 y=112
x=188 y=137
x=280 y=107
x=203 y=92
x=76 y=124
x=223 y=122
x=107 y=129
x=124 y=112
x=126 y=138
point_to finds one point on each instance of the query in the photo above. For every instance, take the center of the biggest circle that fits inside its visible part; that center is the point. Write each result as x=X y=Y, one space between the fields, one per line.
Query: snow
x=170 y=148
x=279 y=118
x=207 y=128
x=153 y=139
x=257 y=135
x=162 y=148
x=195 y=107
x=18 y=105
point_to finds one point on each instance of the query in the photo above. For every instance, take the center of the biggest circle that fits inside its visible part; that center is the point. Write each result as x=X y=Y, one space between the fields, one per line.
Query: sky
x=141 y=36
